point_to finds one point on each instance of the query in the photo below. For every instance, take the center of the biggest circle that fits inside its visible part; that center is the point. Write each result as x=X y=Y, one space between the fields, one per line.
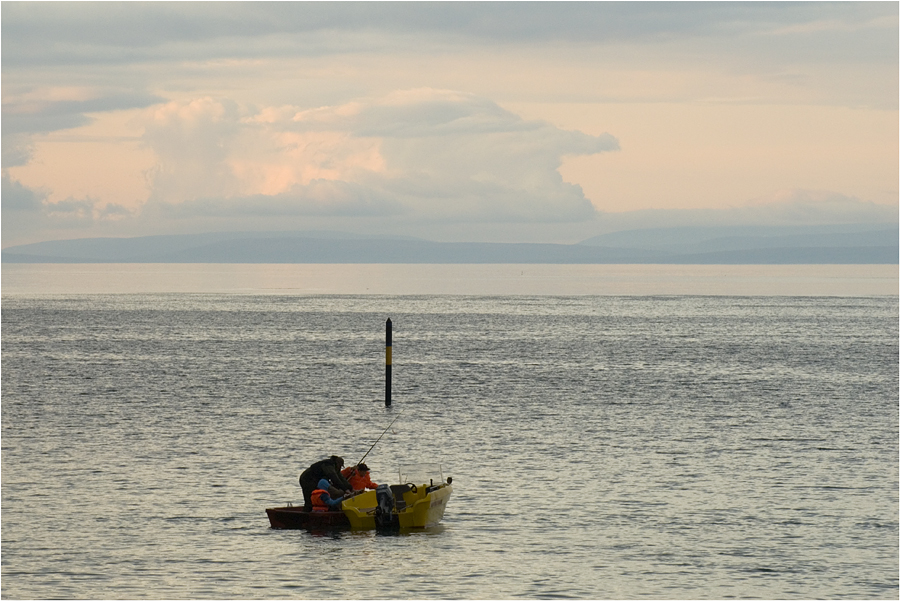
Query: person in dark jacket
x=330 y=469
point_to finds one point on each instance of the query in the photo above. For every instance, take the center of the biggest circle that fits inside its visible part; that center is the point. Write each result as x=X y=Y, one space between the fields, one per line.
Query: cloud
x=17 y=150
x=781 y=208
x=193 y=141
x=17 y=198
x=585 y=52
x=38 y=33
x=317 y=198
x=430 y=154
x=40 y=110
x=27 y=212
x=310 y=131
x=817 y=207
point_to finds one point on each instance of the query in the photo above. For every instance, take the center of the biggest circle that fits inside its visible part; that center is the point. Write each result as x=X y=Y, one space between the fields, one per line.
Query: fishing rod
x=379 y=438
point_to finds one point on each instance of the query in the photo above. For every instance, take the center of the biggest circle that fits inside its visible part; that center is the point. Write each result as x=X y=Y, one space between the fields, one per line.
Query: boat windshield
x=421 y=473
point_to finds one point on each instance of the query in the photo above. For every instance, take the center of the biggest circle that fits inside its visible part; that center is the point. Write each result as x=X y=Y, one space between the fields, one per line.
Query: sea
x=612 y=432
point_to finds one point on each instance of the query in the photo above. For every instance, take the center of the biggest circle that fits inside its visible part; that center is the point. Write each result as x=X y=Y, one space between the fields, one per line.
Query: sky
x=504 y=122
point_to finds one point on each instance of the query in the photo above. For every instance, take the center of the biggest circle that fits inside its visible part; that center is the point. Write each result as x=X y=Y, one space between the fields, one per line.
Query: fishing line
x=379 y=438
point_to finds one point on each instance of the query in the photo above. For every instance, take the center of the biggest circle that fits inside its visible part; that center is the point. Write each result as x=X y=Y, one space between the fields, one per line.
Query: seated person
x=322 y=499
x=358 y=476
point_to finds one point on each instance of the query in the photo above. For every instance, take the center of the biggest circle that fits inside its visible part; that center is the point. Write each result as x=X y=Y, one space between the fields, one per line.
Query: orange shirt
x=358 y=480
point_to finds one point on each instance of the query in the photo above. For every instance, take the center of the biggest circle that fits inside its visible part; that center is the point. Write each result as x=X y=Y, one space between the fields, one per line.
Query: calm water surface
x=600 y=446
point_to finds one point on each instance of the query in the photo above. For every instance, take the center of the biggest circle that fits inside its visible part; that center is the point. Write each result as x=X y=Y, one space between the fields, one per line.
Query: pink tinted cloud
x=437 y=153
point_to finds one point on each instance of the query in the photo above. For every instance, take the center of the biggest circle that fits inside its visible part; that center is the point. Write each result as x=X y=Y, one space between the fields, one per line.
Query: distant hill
x=849 y=244
x=692 y=240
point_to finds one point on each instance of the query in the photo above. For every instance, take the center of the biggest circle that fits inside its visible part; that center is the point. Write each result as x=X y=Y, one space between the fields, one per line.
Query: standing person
x=358 y=477
x=330 y=469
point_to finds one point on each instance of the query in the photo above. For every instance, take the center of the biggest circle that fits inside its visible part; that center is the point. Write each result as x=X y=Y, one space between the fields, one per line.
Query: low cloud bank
x=794 y=207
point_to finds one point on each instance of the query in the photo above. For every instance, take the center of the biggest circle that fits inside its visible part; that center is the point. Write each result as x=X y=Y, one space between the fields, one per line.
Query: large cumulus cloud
x=429 y=154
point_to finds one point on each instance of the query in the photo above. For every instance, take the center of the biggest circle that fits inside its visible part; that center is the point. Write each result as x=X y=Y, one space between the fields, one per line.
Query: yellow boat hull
x=360 y=510
x=422 y=508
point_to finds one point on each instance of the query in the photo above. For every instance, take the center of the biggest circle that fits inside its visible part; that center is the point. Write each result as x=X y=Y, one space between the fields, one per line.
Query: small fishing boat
x=417 y=502
x=295 y=518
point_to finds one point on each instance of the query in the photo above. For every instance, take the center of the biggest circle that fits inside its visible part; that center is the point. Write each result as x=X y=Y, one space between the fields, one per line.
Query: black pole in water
x=387 y=365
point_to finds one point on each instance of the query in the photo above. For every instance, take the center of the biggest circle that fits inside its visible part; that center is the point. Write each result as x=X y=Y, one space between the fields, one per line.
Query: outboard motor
x=384 y=511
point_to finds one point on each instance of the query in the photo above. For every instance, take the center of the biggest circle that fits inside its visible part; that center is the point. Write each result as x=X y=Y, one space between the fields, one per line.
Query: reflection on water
x=563 y=280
